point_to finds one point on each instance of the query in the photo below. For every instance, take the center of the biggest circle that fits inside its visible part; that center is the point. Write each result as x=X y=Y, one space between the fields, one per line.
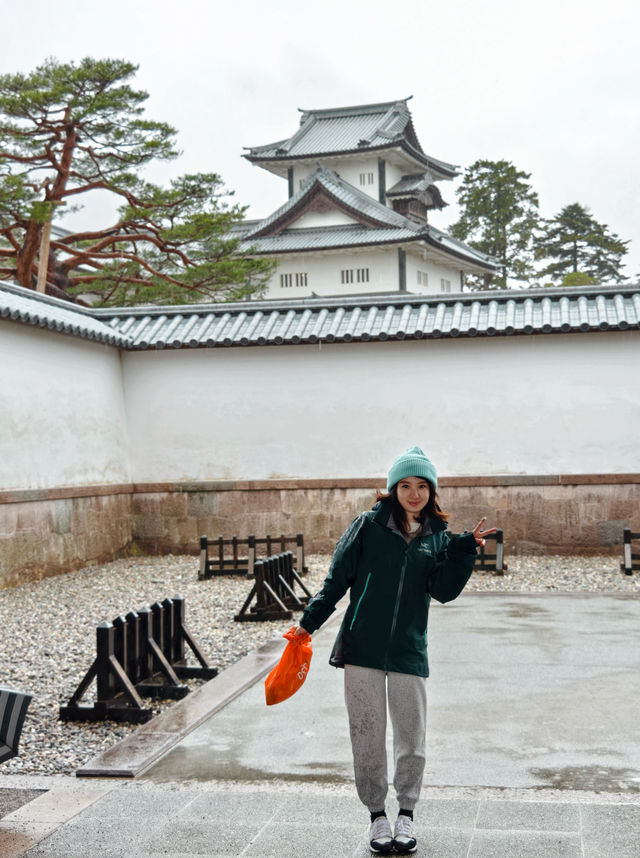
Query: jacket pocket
x=359 y=602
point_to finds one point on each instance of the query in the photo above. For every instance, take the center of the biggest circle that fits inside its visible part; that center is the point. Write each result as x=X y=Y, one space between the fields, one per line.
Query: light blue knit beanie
x=412 y=463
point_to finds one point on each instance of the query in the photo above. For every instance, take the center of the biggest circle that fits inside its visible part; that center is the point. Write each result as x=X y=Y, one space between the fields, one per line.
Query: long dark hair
x=399 y=515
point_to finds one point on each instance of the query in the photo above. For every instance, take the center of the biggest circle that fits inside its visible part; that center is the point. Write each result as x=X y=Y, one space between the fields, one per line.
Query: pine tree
x=67 y=130
x=499 y=213
x=578 y=243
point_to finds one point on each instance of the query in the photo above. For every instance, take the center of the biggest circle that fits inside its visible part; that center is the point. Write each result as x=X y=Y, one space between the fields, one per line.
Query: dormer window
x=297 y=279
x=354 y=275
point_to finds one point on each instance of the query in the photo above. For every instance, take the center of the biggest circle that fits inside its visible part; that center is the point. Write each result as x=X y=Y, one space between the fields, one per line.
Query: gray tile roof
x=348 y=319
x=393 y=227
x=355 y=199
x=327 y=238
x=418 y=185
x=23 y=305
x=438 y=238
x=352 y=129
x=414 y=183
x=362 y=318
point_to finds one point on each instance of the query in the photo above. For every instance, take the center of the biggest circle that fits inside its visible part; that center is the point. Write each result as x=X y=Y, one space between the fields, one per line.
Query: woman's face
x=413 y=495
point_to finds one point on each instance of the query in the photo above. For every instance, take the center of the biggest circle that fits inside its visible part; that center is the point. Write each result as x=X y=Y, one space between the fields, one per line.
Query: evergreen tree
x=499 y=213
x=67 y=130
x=578 y=243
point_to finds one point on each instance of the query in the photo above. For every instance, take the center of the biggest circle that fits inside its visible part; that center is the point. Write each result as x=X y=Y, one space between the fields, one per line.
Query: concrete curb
x=138 y=751
x=144 y=746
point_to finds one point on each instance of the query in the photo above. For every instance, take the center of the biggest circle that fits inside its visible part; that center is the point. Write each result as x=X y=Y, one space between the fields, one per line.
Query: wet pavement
x=524 y=692
x=533 y=750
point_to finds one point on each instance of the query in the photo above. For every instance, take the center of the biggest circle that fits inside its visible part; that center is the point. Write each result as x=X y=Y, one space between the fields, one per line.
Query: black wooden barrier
x=221 y=556
x=142 y=654
x=492 y=562
x=273 y=592
x=630 y=561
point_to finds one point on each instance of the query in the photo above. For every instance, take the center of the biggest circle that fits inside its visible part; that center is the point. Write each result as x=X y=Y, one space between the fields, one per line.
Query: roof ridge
x=329 y=178
x=353 y=109
x=363 y=300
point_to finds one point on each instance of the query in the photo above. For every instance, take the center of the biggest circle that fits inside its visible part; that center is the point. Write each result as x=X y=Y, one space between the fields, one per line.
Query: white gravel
x=47 y=632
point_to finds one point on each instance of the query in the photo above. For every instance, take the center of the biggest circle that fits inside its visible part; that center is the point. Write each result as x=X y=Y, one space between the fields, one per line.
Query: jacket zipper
x=355 y=613
x=396 y=609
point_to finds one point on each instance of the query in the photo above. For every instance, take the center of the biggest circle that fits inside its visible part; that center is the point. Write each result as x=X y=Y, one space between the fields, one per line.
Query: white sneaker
x=380 y=836
x=404 y=838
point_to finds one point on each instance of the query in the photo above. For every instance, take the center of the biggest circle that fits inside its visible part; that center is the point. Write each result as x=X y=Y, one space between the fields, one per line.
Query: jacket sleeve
x=454 y=565
x=341 y=575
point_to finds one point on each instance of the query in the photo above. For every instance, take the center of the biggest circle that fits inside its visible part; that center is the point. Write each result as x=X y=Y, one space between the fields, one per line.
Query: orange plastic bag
x=291 y=671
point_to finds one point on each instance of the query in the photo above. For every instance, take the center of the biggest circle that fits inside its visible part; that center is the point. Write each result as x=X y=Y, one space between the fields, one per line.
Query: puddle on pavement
x=524 y=610
x=202 y=769
x=592 y=778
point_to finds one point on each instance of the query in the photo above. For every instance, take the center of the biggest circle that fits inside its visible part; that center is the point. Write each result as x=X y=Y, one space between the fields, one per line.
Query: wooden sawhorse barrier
x=273 y=592
x=225 y=556
x=492 y=562
x=630 y=560
x=142 y=654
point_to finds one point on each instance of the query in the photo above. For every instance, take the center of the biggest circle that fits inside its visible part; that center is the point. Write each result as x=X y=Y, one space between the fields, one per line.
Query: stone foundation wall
x=45 y=533
x=550 y=518
x=48 y=536
x=173 y=522
x=544 y=518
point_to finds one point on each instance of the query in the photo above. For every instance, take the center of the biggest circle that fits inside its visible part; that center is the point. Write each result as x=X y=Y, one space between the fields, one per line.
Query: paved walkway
x=534 y=750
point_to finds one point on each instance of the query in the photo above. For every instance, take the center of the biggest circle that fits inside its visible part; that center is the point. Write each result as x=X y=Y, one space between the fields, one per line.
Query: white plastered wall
x=349 y=169
x=323 y=272
x=511 y=405
x=436 y=272
x=62 y=419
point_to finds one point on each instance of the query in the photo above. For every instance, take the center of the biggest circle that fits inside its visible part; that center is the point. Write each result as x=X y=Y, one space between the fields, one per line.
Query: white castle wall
x=509 y=405
x=324 y=273
x=62 y=412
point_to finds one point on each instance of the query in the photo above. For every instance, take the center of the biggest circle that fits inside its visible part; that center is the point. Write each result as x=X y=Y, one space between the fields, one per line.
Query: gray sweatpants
x=367 y=692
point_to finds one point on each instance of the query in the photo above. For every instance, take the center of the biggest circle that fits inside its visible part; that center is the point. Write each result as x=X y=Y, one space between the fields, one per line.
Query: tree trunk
x=27 y=254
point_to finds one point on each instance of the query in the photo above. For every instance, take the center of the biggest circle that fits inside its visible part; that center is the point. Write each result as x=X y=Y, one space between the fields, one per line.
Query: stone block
x=183 y=534
x=78 y=515
x=147 y=504
x=201 y=504
x=174 y=505
x=61 y=515
x=232 y=504
x=296 y=502
x=610 y=532
x=8 y=519
x=619 y=508
x=147 y=527
x=262 y=501
x=33 y=516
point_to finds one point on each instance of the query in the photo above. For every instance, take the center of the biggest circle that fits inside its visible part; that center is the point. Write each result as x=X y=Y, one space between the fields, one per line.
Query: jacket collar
x=382 y=515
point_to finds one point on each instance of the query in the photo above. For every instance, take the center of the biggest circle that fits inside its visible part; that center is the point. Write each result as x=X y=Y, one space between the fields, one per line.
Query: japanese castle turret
x=360 y=188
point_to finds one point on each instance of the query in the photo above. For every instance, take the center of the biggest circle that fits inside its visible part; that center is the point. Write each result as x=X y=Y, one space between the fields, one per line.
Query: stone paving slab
x=523 y=690
x=11 y=799
x=271 y=821
x=44 y=815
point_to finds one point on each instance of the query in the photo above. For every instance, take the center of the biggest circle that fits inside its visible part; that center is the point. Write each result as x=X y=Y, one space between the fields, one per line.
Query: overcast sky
x=550 y=85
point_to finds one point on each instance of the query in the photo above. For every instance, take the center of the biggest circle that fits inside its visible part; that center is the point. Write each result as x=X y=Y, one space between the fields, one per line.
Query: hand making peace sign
x=479 y=535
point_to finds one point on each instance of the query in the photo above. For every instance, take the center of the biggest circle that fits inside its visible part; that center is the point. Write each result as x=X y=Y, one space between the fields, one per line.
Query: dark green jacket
x=391 y=583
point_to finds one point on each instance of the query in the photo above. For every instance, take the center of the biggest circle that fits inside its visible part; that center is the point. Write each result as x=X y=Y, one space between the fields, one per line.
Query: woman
x=393 y=558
